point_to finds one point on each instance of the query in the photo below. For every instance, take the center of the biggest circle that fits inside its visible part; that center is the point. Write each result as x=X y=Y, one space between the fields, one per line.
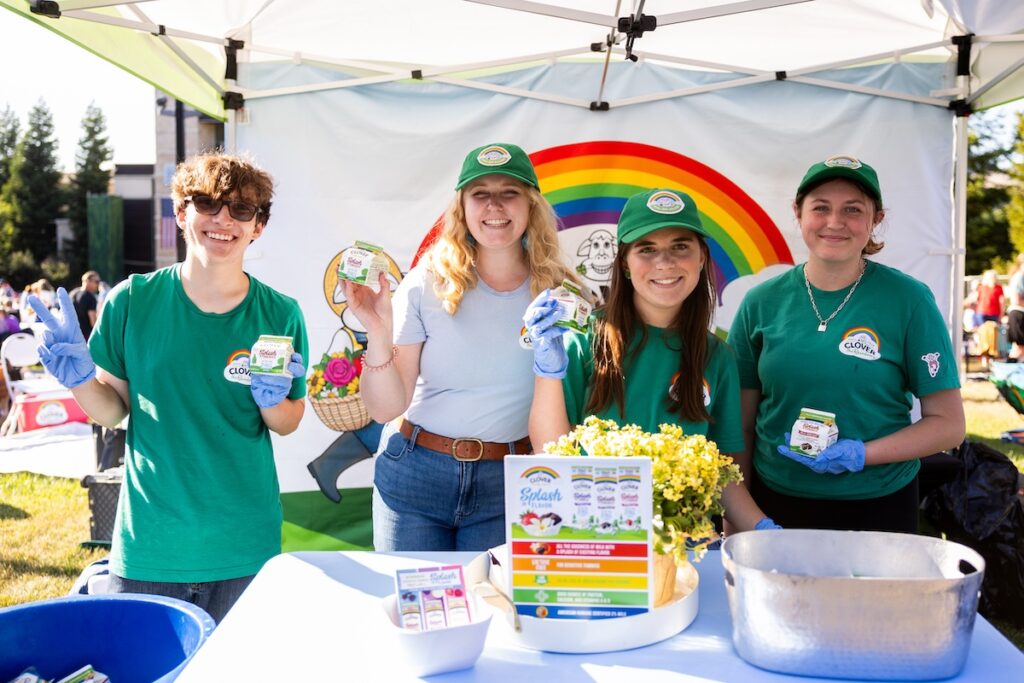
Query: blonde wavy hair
x=452 y=258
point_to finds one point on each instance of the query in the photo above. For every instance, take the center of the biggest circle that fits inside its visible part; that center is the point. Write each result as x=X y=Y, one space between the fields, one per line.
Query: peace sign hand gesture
x=63 y=350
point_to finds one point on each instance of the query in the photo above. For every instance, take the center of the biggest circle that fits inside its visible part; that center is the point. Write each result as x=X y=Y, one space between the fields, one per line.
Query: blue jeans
x=216 y=597
x=426 y=500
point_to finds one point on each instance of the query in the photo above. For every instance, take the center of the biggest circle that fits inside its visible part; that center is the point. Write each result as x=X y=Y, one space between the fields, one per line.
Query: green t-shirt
x=649 y=372
x=200 y=500
x=888 y=344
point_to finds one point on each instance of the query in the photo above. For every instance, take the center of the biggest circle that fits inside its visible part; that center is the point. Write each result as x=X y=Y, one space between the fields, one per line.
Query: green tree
x=31 y=198
x=92 y=176
x=1015 y=209
x=988 y=237
x=9 y=129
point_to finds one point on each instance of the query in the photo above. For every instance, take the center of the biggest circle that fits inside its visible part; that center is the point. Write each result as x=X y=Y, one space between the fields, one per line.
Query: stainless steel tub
x=852 y=604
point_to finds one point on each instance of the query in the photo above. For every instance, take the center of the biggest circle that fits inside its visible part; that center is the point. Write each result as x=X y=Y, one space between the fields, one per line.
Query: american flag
x=168 y=226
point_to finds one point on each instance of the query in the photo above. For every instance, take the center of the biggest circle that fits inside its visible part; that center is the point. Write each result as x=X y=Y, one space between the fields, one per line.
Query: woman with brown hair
x=650 y=357
x=846 y=335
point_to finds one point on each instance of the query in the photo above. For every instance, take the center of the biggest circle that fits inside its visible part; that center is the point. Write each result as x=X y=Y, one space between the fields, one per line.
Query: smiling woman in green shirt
x=849 y=336
x=649 y=358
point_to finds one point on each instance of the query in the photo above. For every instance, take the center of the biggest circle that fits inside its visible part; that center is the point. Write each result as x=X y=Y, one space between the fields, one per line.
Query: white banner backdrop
x=378 y=164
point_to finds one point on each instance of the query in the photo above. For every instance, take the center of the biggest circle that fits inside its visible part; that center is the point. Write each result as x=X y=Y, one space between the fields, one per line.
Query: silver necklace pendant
x=823 y=322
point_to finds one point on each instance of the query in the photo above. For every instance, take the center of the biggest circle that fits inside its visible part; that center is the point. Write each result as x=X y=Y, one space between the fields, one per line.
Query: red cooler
x=47 y=409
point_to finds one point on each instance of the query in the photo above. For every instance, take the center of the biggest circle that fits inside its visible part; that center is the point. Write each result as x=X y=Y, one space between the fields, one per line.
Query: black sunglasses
x=240 y=211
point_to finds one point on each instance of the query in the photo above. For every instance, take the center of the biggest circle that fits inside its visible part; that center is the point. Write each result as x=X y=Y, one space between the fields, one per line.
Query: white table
x=317 y=616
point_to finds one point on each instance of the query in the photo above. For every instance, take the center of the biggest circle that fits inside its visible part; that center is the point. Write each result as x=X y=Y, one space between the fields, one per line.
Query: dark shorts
x=894 y=512
x=1015 y=327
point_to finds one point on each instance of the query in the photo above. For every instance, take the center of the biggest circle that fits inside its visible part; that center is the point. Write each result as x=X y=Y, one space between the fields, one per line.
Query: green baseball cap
x=843 y=166
x=501 y=158
x=655 y=209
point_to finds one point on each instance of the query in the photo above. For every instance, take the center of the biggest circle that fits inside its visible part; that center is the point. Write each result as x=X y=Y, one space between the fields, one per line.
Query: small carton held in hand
x=813 y=432
x=363 y=264
x=270 y=355
x=573 y=309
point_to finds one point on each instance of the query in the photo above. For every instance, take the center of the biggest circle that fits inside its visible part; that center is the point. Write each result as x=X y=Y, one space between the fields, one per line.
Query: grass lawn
x=42 y=522
x=44 y=519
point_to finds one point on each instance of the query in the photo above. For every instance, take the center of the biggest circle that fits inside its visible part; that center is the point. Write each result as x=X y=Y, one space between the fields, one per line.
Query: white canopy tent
x=363 y=111
x=191 y=48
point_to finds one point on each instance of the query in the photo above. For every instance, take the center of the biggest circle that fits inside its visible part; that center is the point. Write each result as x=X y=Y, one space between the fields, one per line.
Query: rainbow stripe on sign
x=539 y=470
x=589 y=182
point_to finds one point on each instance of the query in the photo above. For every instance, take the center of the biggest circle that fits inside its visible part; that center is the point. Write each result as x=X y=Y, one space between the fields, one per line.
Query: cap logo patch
x=843 y=161
x=665 y=202
x=494 y=155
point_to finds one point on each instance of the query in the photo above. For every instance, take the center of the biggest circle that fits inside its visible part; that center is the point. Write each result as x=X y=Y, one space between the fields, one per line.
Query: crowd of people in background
x=16 y=315
x=993 y=319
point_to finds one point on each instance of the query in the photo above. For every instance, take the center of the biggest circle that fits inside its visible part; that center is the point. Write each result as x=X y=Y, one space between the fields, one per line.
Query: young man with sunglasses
x=199 y=512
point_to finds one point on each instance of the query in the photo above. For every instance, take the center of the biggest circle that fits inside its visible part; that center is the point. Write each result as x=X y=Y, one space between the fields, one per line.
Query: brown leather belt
x=466 y=450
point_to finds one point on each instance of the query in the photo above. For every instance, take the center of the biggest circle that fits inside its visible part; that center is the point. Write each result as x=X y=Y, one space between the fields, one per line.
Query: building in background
x=134 y=184
x=180 y=132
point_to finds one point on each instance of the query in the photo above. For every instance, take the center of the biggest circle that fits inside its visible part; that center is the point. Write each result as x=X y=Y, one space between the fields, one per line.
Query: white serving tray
x=582 y=635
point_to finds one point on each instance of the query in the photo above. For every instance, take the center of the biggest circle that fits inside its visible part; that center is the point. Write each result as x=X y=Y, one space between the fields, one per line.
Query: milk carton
x=270 y=355
x=813 y=432
x=573 y=309
x=363 y=264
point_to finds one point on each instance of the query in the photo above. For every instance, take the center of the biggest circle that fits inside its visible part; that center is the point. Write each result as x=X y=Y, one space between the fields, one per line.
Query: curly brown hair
x=217 y=174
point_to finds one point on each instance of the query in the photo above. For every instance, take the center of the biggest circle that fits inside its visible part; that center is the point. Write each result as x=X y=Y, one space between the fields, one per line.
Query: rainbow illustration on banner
x=588 y=183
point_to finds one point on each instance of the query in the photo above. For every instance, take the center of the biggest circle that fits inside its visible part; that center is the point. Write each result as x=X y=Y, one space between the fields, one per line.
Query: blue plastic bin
x=126 y=636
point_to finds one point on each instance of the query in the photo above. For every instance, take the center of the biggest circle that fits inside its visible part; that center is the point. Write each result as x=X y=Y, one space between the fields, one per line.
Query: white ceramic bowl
x=424 y=653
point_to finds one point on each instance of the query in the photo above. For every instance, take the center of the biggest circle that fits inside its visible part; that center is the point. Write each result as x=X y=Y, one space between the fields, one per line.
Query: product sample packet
x=432 y=597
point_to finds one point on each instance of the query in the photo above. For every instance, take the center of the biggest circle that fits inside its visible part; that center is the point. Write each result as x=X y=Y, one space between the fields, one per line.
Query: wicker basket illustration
x=342 y=414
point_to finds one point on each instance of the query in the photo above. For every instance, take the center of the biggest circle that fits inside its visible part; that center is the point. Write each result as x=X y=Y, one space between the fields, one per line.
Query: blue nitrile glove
x=766 y=523
x=549 y=357
x=845 y=455
x=63 y=350
x=269 y=390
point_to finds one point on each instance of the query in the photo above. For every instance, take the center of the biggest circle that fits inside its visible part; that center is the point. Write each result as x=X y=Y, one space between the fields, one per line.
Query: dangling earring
x=471 y=239
x=525 y=242
x=628 y=276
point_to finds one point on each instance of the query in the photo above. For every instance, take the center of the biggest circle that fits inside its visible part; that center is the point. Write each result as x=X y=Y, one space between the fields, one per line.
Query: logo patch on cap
x=843 y=161
x=665 y=202
x=494 y=156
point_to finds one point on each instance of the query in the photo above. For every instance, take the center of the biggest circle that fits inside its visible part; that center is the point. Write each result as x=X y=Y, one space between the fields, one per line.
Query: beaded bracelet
x=382 y=366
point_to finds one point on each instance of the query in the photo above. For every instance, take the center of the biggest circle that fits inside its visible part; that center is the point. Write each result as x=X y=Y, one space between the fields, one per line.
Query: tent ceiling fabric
x=390 y=35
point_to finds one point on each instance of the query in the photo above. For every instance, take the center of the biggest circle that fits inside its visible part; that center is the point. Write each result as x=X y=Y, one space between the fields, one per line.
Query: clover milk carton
x=363 y=264
x=813 y=432
x=270 y=356
x=573 y=309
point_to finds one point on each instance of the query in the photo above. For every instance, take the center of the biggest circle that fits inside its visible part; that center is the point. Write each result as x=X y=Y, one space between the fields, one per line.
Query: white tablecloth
x=317 y=616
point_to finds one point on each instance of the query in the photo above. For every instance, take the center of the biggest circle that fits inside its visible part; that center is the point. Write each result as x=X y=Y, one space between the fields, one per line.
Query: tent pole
x=959 y=236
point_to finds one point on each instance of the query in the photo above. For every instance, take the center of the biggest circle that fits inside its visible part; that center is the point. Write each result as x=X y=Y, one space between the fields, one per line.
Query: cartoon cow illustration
x=598 y=252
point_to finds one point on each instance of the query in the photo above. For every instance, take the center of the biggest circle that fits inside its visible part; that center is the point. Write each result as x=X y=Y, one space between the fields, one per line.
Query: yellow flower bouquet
x=687 y=472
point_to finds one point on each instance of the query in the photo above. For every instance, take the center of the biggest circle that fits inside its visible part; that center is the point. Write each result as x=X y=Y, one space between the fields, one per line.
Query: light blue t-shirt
x=475 y=379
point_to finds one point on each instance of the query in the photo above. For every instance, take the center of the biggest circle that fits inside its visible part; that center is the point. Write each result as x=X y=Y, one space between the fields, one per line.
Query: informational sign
x=579 y=531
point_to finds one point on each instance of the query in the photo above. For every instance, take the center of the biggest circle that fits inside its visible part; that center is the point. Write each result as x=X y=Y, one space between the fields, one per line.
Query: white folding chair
x=17 y=352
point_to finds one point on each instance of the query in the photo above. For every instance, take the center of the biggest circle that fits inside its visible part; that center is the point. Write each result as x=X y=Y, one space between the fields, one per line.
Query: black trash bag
x=981 y=509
